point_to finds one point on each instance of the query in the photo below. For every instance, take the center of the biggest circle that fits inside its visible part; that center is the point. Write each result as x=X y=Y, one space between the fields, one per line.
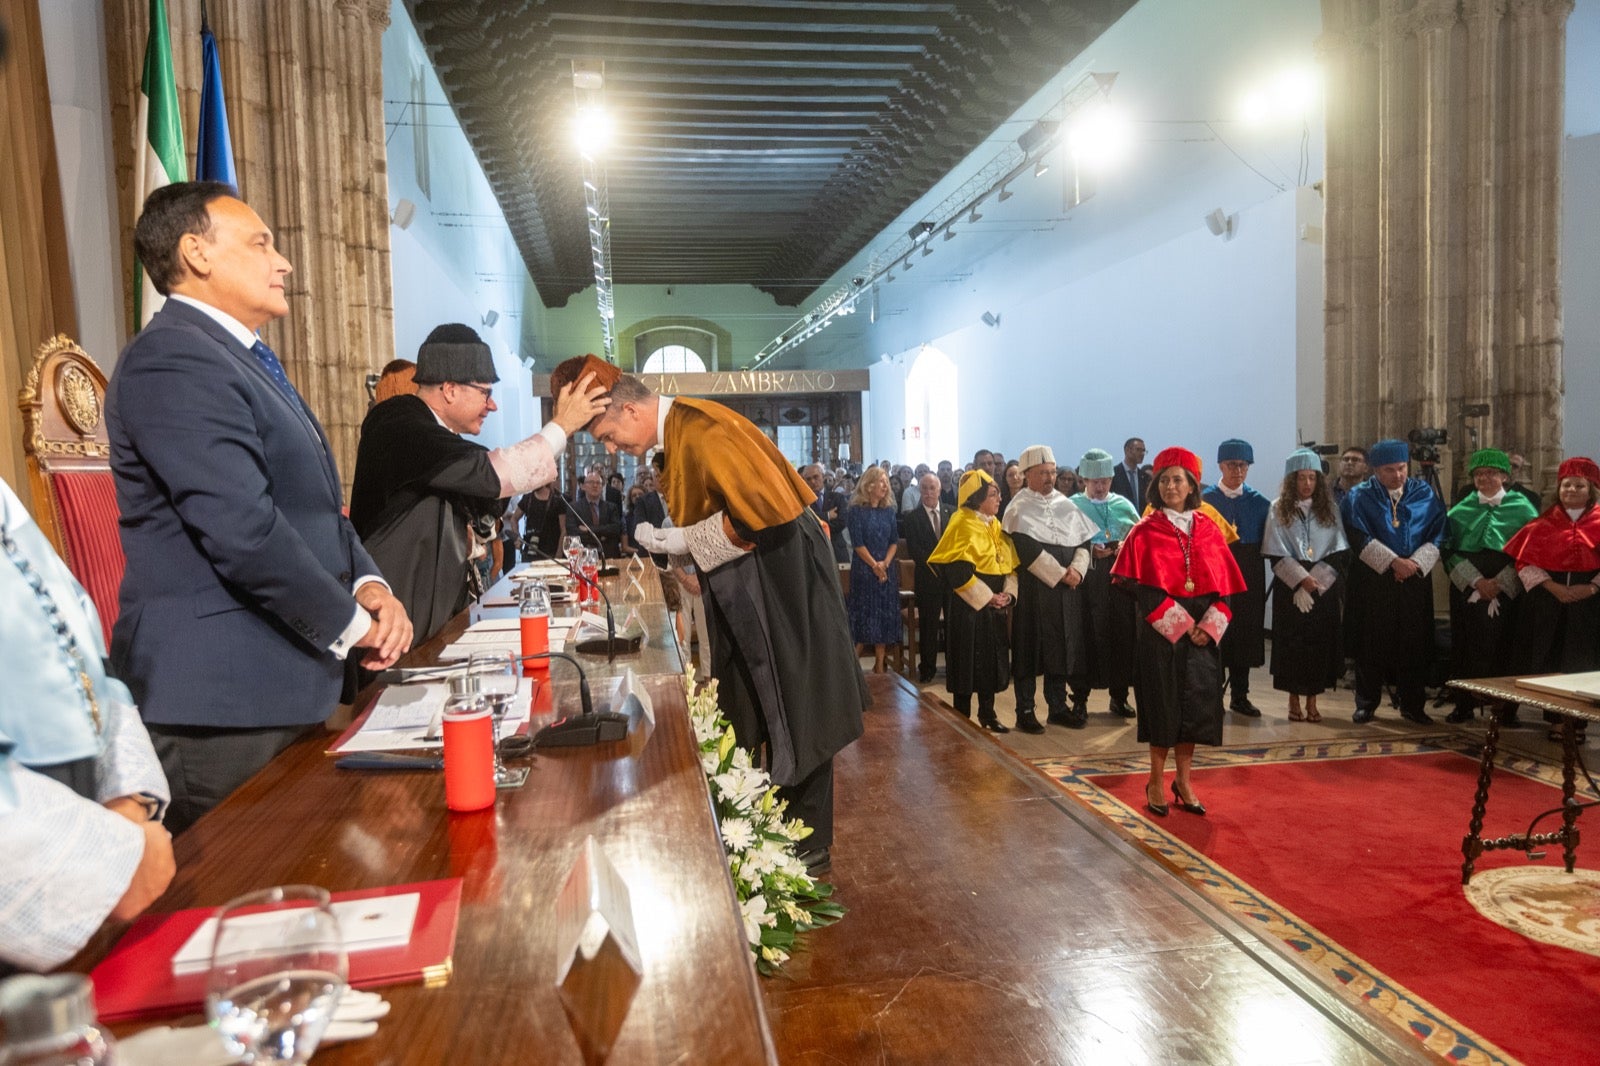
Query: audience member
x=1011 y=483
x=874 y=576
x=1181 y=573
x=911 y=495
x=395 y=380
x=245 y=586
x=1395 y=524
x=544 y=523
x=1246 y=510
x=81 y=790
x=829 y=505
x=600 y=520
x=1483 y=579
x=1129 y=480
x=1519 y=471
x=1352 y=471
x=978 y=563
x=922 y=526
x=1109 y=622
x=1067 y=482
x=1306 y=547
x=1051 y=537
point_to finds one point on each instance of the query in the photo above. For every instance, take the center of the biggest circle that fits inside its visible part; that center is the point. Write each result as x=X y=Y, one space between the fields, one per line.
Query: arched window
x=931 y=409
x=673 y=359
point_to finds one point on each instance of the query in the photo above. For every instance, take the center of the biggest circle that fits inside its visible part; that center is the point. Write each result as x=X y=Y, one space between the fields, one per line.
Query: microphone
x=612 y=643
x=605 y=571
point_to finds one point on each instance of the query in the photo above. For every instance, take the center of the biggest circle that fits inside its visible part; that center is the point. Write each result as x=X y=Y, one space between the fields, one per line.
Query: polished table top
x=645 y=801
x=1507 y=690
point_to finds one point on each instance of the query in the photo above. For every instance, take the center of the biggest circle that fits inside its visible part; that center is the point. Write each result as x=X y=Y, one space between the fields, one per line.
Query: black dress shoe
x=1159 y=809
x=1459 y=715
x=992 y=724
x=1419 y=717
x=1121 y=709
x=817 y=860
x=1243 y=706
x=1363 y=715
x=1058 y=718
x=1185 y=805
x=1027 y=723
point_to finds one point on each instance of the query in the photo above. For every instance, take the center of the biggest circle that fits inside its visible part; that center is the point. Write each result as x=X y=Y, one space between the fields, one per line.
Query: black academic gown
x=1109 y=625
x=417 y=488
x=1308 y=648
x=1047 y=623
x=977 y=656
x=1551 y=637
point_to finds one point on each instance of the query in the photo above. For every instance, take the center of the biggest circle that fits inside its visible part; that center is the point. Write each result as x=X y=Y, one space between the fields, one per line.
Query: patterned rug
x=1540 y=902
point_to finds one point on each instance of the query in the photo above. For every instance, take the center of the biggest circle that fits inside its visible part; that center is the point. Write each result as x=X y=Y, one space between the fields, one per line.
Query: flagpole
x=160 y=131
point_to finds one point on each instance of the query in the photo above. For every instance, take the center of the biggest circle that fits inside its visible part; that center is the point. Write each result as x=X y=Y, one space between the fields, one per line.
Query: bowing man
x=781 y=651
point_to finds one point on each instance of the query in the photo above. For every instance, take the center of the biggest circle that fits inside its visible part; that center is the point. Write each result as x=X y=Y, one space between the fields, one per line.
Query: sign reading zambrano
x=744 y=382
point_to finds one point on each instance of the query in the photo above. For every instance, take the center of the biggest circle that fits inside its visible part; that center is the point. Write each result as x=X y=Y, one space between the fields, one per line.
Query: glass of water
x=278 y=968
x=497 y=676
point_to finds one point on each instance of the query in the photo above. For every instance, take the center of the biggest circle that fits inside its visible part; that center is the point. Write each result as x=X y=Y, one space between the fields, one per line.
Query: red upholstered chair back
x=69 y=468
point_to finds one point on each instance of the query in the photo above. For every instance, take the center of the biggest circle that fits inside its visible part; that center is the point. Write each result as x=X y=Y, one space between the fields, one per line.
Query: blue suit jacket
x=239 y=561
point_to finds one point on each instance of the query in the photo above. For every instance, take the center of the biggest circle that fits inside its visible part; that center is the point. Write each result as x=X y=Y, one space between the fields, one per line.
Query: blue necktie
x=274 y=369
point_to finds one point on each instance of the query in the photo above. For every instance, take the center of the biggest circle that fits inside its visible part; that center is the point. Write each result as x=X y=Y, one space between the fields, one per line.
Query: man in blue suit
x=246 y=587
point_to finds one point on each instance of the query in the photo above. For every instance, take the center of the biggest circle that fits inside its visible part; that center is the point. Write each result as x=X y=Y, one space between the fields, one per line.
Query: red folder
x=136 y=979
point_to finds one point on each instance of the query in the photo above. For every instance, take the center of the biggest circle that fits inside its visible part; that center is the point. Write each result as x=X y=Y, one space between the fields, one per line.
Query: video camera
x=1425 y=444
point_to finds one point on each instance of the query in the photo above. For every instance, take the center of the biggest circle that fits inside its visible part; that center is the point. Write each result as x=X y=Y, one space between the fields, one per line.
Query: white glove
x=661 y=541
x=1494 y=607
x=1304 y=600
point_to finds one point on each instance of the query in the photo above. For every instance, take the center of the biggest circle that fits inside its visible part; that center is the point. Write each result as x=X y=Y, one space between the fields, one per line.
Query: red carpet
x=1367 y=852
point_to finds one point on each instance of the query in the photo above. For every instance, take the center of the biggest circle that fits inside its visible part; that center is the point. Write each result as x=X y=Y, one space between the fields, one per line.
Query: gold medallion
x=1395 y=523
x=1188 y=586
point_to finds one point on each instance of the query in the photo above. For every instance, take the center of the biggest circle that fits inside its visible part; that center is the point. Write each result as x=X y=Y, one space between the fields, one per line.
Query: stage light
x=1041 y=168
x=1100 y=136
x=921 y=231
x=594 y=130
x=1289 y=96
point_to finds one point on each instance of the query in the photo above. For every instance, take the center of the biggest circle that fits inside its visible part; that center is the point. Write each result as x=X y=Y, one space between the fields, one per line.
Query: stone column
x=1439 y=172
x=1398 y=225
x=1480 y=244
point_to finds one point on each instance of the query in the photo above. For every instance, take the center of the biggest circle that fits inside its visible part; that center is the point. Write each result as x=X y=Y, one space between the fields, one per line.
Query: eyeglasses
x=488 y=393
x=1350 y=459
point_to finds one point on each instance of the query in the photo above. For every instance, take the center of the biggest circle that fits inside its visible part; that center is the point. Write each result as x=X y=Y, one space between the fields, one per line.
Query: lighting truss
x=588 y=89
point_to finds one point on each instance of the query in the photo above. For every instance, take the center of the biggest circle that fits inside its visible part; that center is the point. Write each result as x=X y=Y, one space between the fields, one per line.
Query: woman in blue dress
x=874 y=578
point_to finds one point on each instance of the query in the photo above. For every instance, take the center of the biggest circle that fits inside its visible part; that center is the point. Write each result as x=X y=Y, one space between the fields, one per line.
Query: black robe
x=1109 y=626
x=975 y=651
x=1480 y=644
x=1308 y=648
x=1244 y=644
x=1178 y=686
x=1047 y=622
x=417 y=488
x=1553 y=637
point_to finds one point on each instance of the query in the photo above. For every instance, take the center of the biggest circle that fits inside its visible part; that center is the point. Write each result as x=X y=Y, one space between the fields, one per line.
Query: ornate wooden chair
x=69 y=468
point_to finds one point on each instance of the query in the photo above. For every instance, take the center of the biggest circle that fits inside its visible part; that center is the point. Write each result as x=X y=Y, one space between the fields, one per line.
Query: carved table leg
x=1569 y=807
x=1472 y=845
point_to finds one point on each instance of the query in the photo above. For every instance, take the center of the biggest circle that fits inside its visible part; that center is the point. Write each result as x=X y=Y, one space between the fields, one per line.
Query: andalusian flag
x=160 y=126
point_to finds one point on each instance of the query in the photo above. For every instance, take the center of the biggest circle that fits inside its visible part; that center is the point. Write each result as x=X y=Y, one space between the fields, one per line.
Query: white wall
x=1580 y=289
x=456 y=261
x=74 y=54
x=1188 y=343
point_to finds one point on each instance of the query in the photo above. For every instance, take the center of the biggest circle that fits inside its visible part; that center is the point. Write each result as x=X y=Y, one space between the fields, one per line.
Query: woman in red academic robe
x=1177 y=564
x=1557 y=628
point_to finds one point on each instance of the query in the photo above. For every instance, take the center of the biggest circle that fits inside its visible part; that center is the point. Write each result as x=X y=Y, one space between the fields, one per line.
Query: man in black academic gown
x=422 y=492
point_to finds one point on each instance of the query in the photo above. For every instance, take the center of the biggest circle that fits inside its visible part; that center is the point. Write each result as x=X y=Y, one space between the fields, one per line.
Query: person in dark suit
x=1130 y=480
x=922 y=526
x=601 y=515
x=829 y=506
x=245 y=587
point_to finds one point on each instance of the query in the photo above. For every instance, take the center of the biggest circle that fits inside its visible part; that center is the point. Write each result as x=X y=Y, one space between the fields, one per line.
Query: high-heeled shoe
x=1185 y=805
x=1153 y=806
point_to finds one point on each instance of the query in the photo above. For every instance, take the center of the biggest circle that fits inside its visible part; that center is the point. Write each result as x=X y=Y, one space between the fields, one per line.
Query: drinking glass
x=574 y=550
x=278 y=968
x=591 y=574
x=497 y=681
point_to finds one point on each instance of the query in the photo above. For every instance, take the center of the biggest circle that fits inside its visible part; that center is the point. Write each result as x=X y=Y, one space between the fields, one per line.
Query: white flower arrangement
x=777 y=898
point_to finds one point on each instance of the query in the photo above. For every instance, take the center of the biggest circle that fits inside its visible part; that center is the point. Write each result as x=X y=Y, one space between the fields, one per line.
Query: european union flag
x=214 y=147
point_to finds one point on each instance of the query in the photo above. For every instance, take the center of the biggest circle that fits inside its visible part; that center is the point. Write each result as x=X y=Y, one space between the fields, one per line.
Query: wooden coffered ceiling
x=758 y=143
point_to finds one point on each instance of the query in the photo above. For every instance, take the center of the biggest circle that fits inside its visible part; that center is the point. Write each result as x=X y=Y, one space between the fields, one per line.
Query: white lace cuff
x=1464 y=575
x=1080 y=562
x=1010 y=587
x=975 y=594
x=709 y=543
x=1378 y=557
x=1046 y=569
x=1510 y=587
x=1325 y=576
x=530 y=462
x=1426 y=557
x=1533 y=576
x=1170 y=620
x=1289 y=572
x=1215 y=621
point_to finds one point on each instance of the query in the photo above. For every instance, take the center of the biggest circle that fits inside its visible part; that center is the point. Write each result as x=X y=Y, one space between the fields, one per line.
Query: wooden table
x=1504 y=691
x=645 y=801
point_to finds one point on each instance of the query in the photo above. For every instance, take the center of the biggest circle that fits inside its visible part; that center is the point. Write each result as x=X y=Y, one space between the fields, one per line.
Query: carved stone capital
x=1431 y=15
x=1482 y=10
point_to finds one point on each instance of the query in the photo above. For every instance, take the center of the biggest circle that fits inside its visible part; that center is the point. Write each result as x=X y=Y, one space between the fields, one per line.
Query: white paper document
x=403 y=715
x=365 y=924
